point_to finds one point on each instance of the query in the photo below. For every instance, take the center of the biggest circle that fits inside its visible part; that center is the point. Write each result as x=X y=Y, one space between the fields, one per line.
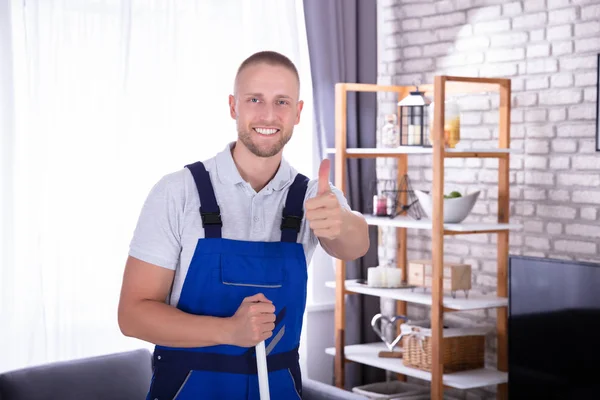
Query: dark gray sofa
x=115 y=376
x=120 y=376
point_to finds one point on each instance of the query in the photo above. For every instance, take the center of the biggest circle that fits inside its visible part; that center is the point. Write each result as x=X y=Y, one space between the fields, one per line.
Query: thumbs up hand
x=324 y=212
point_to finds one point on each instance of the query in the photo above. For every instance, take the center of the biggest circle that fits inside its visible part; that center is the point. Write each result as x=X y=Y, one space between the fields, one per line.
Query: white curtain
x=101 y=99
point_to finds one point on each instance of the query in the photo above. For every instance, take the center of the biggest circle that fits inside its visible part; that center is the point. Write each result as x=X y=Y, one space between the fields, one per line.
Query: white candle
x=414 y=134
x=375 y=276
x=393 y=277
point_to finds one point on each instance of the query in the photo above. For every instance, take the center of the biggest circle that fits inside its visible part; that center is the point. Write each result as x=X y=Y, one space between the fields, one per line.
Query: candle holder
x=413 y=118
x=384 y=200
x=388 y=199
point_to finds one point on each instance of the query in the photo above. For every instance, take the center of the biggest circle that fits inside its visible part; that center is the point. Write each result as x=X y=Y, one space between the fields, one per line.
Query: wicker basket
x=464 y=348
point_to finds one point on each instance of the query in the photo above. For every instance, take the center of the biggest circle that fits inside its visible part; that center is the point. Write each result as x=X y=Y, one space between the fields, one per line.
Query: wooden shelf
x=368 y=354
x=404 y=150
x=402 y=221
x=436 y=298
x=454 y=85
x=475 y=301
x=383 y=152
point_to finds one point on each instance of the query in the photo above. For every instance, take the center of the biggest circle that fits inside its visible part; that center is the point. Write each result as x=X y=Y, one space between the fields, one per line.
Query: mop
x=261 y=356
x=263 y=373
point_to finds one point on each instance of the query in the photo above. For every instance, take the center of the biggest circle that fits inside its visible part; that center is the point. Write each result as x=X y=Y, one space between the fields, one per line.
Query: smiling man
x=218 y=260
x=251 y=106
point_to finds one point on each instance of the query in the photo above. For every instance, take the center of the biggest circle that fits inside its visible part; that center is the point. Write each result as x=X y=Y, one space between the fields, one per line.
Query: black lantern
x=413 y=119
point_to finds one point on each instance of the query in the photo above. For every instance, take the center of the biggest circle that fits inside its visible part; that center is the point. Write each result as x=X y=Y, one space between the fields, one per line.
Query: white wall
x=548 y=48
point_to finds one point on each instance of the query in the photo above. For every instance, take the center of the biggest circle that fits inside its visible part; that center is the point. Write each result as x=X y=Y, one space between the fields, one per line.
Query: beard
x=264 y=150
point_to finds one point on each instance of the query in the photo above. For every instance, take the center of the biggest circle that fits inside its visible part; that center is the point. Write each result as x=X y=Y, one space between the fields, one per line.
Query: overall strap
x=293 y=211
x=209 y=209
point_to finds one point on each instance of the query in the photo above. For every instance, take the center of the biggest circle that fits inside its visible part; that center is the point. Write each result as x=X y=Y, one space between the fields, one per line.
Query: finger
x=252 y=299
x=318 y=214
x=265 y=308
x=265 y=319
x=259 y=297
x=261 y=309
x=323 y=184
x=326 y=200
x=313 y=203
x=320 y=224
x=268 y=327
x=266 y=335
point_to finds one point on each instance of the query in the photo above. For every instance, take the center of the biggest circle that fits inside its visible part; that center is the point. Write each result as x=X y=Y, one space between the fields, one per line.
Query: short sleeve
x=157 y=236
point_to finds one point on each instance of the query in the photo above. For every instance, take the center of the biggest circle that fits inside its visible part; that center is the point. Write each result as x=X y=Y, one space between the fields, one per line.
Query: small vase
x=390 y=133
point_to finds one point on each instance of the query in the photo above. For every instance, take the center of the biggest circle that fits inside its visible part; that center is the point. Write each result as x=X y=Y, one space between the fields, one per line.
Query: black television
x=553 y=329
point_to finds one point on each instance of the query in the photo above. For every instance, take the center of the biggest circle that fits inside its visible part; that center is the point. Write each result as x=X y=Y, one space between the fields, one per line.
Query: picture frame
x=598 y=104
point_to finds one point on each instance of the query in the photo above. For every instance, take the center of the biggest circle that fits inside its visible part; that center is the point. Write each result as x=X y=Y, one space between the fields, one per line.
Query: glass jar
x=451 y=123
x=380 y=205
x=390 y=133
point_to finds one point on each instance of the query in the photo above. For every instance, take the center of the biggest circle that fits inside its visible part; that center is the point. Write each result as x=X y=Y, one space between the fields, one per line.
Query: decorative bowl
x=456 y=209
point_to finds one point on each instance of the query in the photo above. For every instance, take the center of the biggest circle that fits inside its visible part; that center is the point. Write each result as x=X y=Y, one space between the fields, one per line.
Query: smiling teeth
x=264 y=131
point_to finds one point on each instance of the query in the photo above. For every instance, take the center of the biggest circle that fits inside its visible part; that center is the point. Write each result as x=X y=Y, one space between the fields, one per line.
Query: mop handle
x=263 y=374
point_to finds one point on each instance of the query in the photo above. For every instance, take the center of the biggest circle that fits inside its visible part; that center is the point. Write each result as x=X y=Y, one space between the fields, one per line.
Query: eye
x=283 y=102
x=254 y=100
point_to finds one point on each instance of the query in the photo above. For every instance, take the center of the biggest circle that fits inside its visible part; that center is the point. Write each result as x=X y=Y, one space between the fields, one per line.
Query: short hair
x=270 y=58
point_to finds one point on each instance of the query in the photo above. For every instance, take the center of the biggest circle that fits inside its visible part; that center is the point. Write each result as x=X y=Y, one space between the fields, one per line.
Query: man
x=218 y=261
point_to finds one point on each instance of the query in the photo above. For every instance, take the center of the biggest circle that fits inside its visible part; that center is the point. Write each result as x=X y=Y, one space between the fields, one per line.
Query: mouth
x=266 y=131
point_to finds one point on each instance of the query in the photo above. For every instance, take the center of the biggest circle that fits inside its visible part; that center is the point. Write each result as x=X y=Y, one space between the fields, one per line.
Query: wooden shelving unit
x=434 y=297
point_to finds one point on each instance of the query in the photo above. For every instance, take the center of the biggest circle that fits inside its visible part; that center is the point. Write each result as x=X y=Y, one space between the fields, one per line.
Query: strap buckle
x=291 y=222
x=211 y=218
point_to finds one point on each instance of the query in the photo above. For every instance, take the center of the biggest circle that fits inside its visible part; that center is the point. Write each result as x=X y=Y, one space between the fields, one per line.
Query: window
x=107 y=98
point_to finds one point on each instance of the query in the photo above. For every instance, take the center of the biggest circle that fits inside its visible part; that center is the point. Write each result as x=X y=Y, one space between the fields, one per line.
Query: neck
x=257 y=171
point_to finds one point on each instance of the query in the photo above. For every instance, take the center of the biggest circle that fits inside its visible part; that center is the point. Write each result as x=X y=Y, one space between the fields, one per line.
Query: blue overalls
x=221 y=274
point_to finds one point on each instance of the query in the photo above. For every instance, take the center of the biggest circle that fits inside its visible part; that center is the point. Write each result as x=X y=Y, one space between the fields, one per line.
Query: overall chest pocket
x=252 y=271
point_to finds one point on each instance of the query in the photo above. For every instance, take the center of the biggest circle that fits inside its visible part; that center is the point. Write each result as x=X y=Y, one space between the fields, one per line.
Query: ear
x=299 y=107
x=232 y=106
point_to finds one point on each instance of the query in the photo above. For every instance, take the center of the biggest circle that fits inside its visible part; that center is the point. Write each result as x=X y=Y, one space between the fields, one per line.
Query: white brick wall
x=549 y=50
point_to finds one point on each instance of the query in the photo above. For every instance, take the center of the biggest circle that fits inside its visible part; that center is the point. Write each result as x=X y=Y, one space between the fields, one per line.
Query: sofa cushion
x=119 y=376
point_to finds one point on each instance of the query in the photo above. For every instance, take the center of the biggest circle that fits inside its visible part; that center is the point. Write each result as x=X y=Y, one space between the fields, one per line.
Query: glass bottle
x=451 y=123
x=390 y=133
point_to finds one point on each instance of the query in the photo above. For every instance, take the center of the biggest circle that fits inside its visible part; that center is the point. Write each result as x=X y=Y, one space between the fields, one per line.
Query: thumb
x=257 y=298
x=323 y=185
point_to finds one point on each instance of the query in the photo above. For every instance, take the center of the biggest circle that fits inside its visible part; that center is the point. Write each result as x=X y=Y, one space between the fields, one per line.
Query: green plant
x=452 y=195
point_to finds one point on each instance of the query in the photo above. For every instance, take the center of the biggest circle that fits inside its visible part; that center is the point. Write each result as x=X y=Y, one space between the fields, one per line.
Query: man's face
x=266 y=108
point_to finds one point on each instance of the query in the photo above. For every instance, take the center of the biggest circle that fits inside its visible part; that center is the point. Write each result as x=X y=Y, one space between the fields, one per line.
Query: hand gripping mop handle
x=263 y=374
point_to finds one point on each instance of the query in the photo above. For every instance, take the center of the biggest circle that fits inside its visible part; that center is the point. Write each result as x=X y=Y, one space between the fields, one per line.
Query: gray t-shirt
x=169 y=225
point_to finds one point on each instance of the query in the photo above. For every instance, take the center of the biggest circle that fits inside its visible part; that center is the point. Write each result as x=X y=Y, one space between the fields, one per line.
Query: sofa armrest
x=118 y=376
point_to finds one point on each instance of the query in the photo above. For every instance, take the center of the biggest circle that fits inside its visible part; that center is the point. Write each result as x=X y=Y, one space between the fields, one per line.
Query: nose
x=269 y=113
